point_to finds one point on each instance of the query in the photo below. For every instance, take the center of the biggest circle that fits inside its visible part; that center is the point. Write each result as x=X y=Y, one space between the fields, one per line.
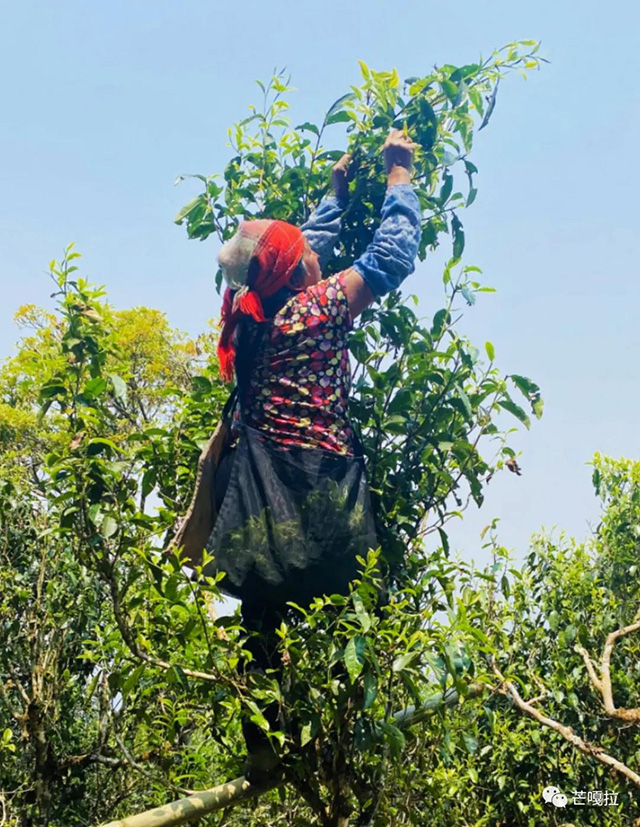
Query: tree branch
x=593 y=677
x=603 y=685
x=629 y=715
x=593 y=751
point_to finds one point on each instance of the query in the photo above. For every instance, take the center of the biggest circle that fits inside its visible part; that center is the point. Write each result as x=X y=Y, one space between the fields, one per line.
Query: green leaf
x=510 y=406
x=148 y=481
x=94 y=387
x=446 y=189
x=429 y=235
x=176 y=675
x=470 y=169
x=310 y=127
x=396 y=424
x=524 y=384
x=370 y=689
x=440 y=320
x=470 y=742
x=444 y=539
x=468 y=295
x=466 y=71
x=119 y=386
x=354 y=657
x=491 y=107
x=185 y=175
x=466 y=402
x=339 y=104
x=133 y=679
x=198 y=202
x=458 y=238
x=427 y=125
x=339 y=117
x=109 y=527
x=361 y=613
x=504 y=585
x=403 y=661
x=330 y=155
x=451 y=90
x=54 y=389
x=583 y=635
x=531 y=391
x=490 y=350
x=395 y=739
x=94 y=514
x=98 y=444
x=305 y=734
x=201 y=384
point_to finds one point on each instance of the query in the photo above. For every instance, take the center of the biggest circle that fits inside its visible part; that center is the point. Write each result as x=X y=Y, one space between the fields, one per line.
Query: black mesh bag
x=292 y=521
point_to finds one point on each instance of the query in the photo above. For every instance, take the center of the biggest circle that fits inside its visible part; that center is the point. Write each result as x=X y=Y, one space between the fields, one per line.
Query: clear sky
x=103 y=104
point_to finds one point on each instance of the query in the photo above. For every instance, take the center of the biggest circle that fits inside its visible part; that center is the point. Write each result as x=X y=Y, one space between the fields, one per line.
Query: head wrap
x=277 y=247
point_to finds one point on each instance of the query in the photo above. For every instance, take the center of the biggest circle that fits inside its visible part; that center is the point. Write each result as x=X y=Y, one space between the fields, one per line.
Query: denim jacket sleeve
x=390 y=257
x=322 y=228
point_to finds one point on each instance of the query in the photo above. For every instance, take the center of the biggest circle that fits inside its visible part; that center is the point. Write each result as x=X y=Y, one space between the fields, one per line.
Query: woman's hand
x=339 y=177
x=398 y=150
x=398 y=157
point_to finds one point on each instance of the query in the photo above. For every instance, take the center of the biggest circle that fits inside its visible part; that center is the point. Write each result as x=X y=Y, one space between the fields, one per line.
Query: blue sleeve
x=390 y=257
x=322 y=228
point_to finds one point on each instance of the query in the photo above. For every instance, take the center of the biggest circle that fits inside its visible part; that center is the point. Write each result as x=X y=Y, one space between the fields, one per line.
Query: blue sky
x=104 y=104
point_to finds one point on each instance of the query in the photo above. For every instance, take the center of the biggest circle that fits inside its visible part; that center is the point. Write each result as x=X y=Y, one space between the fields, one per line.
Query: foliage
x=155 y=650
x=105 y=414
x=59 y=757
x=422 y=397
x=56 y=759
x=562 y=618
x=279 y=172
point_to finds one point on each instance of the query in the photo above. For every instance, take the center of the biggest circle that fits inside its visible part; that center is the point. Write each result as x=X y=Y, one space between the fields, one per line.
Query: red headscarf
x=278 y=252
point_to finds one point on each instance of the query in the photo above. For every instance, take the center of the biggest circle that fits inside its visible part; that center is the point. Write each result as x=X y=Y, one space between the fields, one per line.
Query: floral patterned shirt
x=299 y=387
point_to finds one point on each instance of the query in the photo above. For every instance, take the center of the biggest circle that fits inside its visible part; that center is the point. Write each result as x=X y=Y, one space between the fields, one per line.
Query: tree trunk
x=42 y=759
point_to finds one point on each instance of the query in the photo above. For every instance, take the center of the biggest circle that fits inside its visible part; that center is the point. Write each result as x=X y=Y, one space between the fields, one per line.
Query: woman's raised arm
x=390 y=257
x=322 y=228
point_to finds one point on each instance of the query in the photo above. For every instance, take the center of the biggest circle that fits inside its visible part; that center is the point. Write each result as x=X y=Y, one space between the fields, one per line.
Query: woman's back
x=298 y=387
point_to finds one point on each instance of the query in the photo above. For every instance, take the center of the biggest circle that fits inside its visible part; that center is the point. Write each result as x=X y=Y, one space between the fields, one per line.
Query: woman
x=291 y=498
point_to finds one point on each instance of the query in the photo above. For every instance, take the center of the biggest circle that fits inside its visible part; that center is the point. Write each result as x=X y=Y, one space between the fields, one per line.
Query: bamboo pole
x=414 y=715
x=198 y=805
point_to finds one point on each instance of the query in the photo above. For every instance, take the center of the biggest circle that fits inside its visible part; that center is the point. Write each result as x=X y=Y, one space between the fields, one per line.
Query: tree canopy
x=466 y=696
